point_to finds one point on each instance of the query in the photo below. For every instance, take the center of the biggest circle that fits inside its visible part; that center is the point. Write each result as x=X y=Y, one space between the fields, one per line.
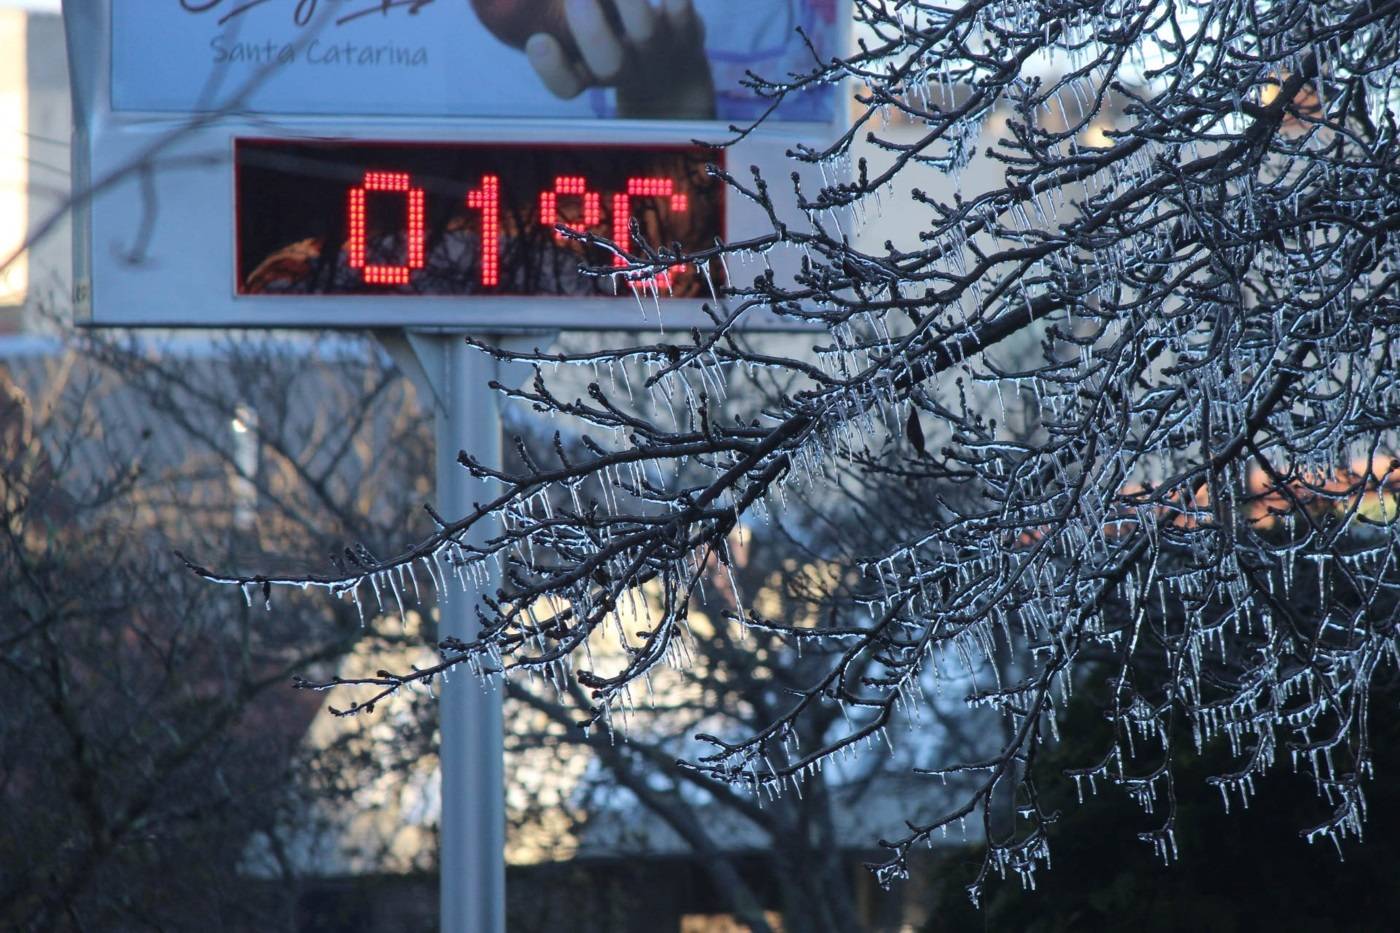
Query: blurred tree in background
x=148 y=732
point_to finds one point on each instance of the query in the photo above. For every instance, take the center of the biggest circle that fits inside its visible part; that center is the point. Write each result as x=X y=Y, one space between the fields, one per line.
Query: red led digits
x=566 y=185
x=356 y=248
x=399 y=218
x=487 y=199
x=622 y=211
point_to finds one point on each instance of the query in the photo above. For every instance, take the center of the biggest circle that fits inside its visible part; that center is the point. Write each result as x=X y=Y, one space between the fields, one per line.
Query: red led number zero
x=397 y=182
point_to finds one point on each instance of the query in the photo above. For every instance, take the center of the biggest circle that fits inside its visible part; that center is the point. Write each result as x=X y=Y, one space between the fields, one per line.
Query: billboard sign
x=511 y=59
x=361 y=163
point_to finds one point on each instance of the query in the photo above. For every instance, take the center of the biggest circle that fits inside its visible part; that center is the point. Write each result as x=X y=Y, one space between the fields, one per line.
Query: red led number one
x=396 y=182
x=487 y=199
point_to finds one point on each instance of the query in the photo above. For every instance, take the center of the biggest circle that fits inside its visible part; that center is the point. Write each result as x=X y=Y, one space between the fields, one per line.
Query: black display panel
x=418 y=218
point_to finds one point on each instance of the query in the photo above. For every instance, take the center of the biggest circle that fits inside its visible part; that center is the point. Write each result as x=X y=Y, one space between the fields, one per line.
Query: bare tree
x=1208 y=419
x=792 y=854
x=138 y=755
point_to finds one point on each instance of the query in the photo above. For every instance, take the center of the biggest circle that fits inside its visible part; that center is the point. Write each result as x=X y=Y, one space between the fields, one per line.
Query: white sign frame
x=154 y=246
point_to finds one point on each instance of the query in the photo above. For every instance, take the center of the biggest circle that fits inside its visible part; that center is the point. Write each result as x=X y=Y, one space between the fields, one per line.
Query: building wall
x=35 y=129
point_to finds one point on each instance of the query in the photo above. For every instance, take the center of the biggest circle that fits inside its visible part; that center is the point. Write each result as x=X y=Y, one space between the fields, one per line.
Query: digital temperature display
x=395 y=218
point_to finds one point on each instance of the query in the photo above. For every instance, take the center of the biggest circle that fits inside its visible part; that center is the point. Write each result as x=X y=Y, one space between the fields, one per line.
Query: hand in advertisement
x=652 y=54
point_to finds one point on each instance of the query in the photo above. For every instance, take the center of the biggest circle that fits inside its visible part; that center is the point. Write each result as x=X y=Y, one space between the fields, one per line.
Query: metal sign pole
x=472 y=873
x=471 y=847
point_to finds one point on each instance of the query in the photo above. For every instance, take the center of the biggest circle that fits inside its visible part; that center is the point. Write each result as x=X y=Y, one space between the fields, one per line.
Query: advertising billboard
x=504 y=59
x=409 y=163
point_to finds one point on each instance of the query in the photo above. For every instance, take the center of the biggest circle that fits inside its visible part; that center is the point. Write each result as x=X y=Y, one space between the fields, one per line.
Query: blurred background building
x=35 y=123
